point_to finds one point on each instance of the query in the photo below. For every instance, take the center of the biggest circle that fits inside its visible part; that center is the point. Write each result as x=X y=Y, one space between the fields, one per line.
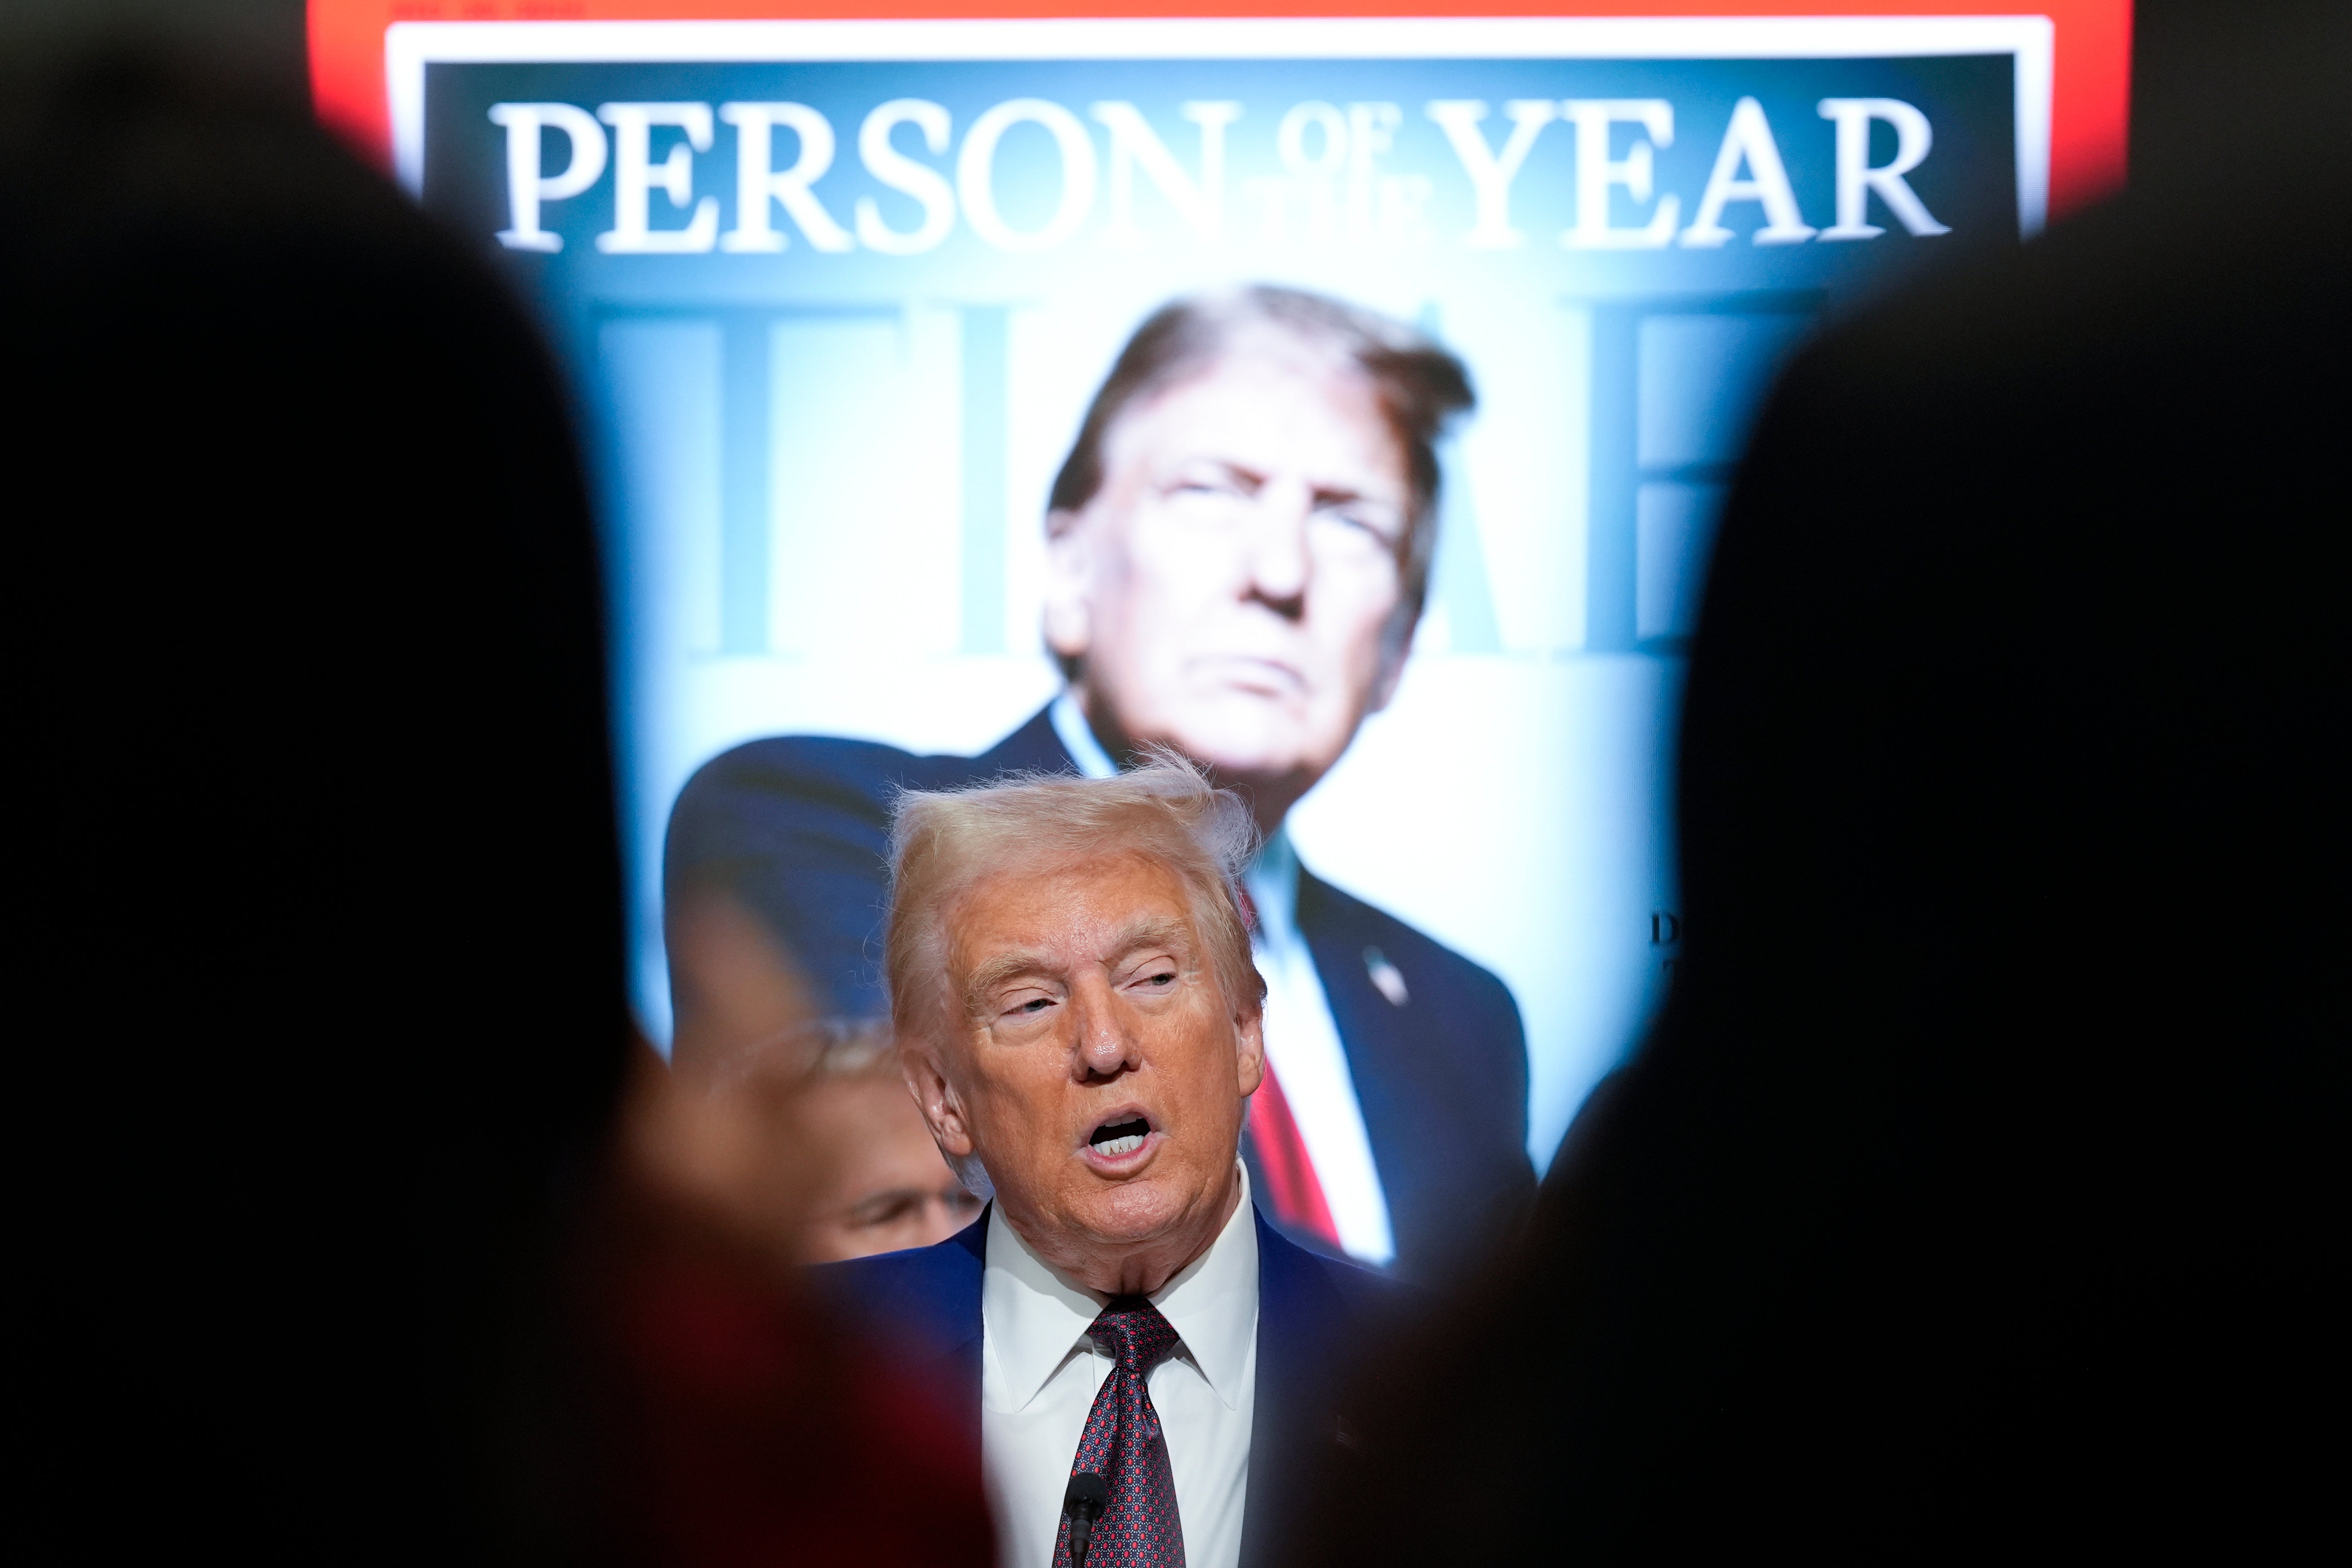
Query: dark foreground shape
x=1973 y=1188
x=321 y=1027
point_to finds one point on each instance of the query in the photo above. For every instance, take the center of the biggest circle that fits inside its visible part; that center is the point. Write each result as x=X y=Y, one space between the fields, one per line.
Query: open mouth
x=1113 y=1139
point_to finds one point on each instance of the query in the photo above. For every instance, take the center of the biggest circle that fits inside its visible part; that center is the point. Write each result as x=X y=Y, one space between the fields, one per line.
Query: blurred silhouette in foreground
x=338 y=1253
x=1975 y=1185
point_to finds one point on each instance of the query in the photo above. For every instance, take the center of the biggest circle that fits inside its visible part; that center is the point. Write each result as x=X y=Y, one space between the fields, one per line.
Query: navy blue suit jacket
x=798 y=828
x=1312 y=1313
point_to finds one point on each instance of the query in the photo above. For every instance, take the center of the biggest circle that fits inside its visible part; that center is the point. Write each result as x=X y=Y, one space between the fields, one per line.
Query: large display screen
x=837 y=296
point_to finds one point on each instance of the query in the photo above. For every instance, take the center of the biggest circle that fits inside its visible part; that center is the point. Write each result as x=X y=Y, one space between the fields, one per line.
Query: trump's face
x=1097 y=1068
x=1233 y=589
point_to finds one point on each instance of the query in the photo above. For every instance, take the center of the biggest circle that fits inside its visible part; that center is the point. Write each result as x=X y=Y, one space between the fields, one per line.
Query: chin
x=1134 y=1211
x=1244 y=736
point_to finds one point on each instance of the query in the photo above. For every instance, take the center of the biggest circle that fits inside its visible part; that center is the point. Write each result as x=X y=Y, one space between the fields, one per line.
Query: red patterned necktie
x=1123 y=1444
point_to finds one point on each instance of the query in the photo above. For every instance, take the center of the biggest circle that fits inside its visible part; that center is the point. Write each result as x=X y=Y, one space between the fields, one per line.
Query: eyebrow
x=1158 y=930
x=1322 y=495
x=1004 y=966
x=1152 y=931
x=1253 y=478
x=1328 y=493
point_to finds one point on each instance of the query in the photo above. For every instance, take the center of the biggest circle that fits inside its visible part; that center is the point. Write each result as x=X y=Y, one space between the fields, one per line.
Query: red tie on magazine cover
x=1292 y=1190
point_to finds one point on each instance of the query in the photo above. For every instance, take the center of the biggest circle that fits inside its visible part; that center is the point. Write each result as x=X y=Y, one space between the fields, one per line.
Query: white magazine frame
x=2028 y=40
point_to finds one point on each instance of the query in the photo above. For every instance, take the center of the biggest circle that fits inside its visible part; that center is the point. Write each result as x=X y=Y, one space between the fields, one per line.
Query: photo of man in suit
x=1238 y=552
x=1079 y=1018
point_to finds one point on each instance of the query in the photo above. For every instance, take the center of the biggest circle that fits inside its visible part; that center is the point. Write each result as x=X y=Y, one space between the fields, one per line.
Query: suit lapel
x=1032 y=749
x=1301 y=1324
x=1375 y=1034
x=947 y=1296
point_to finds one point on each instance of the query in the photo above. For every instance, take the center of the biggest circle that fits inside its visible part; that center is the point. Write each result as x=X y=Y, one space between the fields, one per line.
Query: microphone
x=1088 y=1497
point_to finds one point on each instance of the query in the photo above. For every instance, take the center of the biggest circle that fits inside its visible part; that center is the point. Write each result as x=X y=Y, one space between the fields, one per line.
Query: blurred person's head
x=885 y=1186
x=734 y=987
x=1240 y=540
x=310 y=582
x=1972 y=1171
x=327 y=906
x=807 y=1147
x=1071 y=981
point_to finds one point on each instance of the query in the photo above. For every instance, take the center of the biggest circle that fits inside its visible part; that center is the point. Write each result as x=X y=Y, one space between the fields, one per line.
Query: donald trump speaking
x=1080 y=1023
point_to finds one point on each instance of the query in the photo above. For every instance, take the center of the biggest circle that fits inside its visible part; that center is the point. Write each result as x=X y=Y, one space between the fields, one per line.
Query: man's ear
x=1069 y=584
x=1396 y=647
x=1251 y=1030
x=936 y=1098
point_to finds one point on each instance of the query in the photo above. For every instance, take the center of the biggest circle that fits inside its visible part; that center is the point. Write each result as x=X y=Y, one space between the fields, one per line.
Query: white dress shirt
x=1302 y=1042
x=1303 y=1045
x=1040 y=1372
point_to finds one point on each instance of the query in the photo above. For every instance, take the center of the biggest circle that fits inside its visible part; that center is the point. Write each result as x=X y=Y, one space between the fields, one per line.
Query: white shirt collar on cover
x=1273 y=883
x=1077 y=738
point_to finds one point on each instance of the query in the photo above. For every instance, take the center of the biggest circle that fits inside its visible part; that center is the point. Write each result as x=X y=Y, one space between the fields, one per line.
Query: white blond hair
x=943 y=842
